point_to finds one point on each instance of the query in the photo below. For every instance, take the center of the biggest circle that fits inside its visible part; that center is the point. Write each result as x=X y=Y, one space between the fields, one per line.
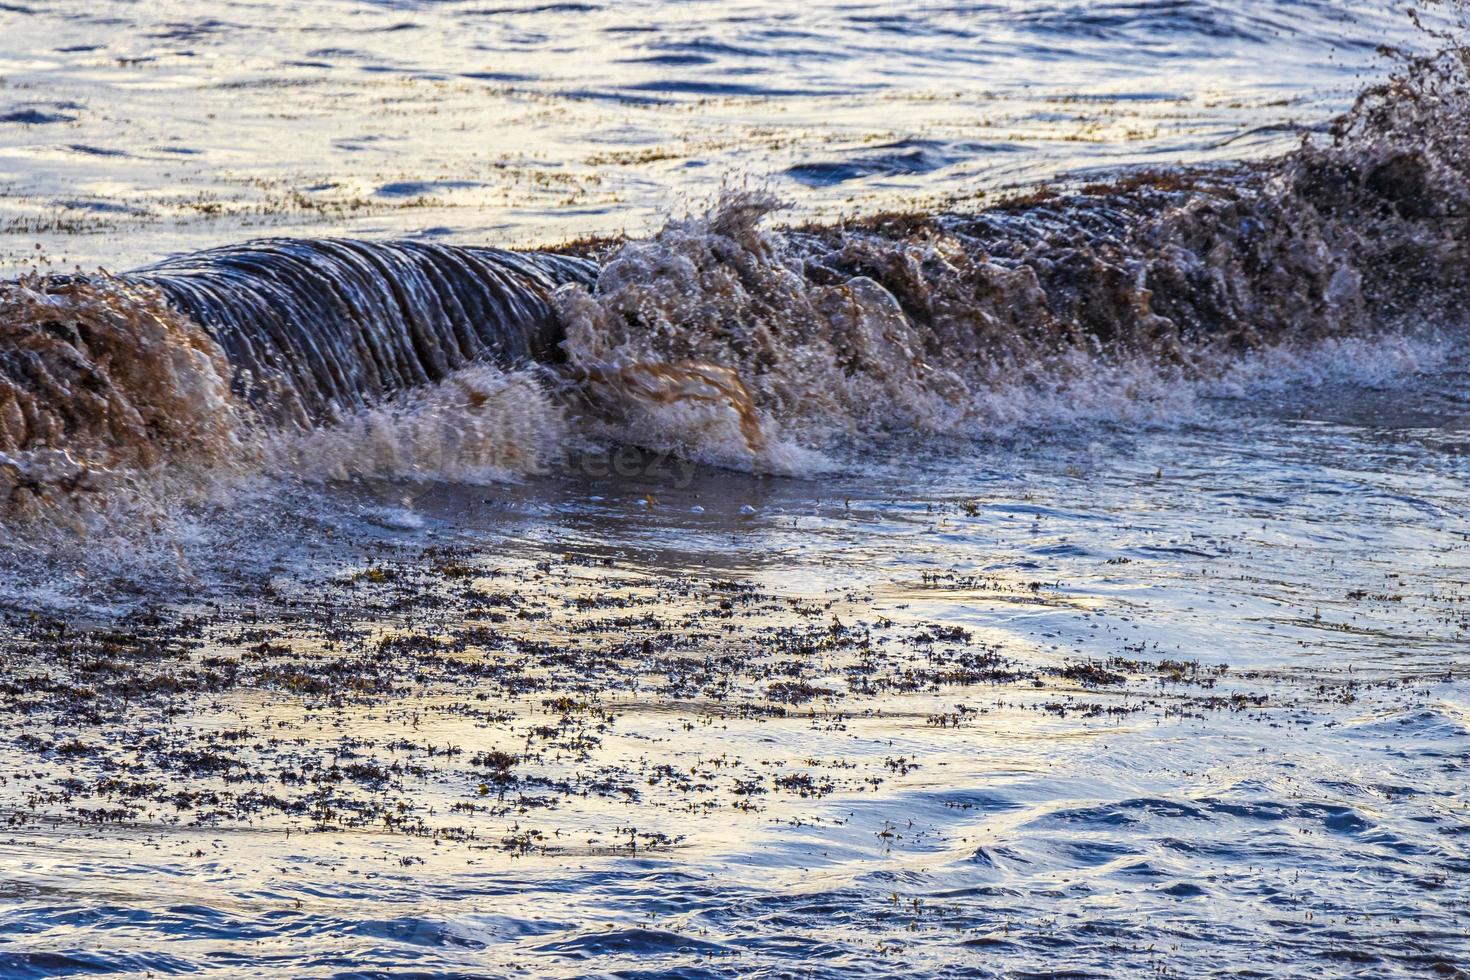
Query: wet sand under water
x=1133 y=696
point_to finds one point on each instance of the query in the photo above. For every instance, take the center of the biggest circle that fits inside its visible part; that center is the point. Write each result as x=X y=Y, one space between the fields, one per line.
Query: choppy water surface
x=858 y=724
x=131 y=130
x=1051 y=658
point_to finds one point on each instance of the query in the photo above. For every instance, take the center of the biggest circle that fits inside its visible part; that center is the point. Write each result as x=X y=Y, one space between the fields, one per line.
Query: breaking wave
x=732 y=342
x=318 y=329
x=108 y=396
x=1115 y=300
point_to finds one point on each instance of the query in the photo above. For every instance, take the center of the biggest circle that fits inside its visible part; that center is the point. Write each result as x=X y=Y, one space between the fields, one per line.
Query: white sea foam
x=480 y=425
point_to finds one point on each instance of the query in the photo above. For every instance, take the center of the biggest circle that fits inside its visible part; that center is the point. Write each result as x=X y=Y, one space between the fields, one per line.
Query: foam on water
x=366 y=591
x=733 y=343
x=480 y=425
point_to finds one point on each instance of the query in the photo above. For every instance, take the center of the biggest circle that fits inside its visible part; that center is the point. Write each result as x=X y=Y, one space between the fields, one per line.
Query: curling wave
x=321 y=328
x=918 y=322
x=729 y=341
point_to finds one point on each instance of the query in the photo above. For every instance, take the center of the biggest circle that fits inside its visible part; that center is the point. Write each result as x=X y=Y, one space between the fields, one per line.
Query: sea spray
x=479 y=425
x=100 y=382
x=943 y=323
x=731 y=342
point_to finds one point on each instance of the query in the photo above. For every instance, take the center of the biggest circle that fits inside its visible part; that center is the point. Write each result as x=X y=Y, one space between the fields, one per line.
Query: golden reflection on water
x=186 y=124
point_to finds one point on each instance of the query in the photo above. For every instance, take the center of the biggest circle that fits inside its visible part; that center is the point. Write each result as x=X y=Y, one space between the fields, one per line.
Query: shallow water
x=1304 y=809
x=1151 y=675
x=130 y=131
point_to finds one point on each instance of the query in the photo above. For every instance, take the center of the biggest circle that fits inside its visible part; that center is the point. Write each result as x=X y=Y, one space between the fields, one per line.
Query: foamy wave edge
x=762 y=349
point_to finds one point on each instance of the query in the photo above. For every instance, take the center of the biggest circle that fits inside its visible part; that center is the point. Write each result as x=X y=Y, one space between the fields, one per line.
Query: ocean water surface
x=133 y=130
x=724 y=607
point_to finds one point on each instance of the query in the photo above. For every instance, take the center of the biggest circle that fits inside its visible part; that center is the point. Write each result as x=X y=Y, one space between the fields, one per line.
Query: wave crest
x=729 y=341
x=943 y=323
x=101 y=381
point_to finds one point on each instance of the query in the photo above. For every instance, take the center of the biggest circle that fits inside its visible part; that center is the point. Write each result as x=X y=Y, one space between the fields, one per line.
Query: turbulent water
x=1058 y=565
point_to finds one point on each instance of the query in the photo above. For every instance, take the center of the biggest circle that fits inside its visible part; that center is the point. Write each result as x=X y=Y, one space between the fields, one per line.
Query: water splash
x=100 y=381
x=945 y=323
x=480 y=425
x=727 y=341
x=318 y=329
